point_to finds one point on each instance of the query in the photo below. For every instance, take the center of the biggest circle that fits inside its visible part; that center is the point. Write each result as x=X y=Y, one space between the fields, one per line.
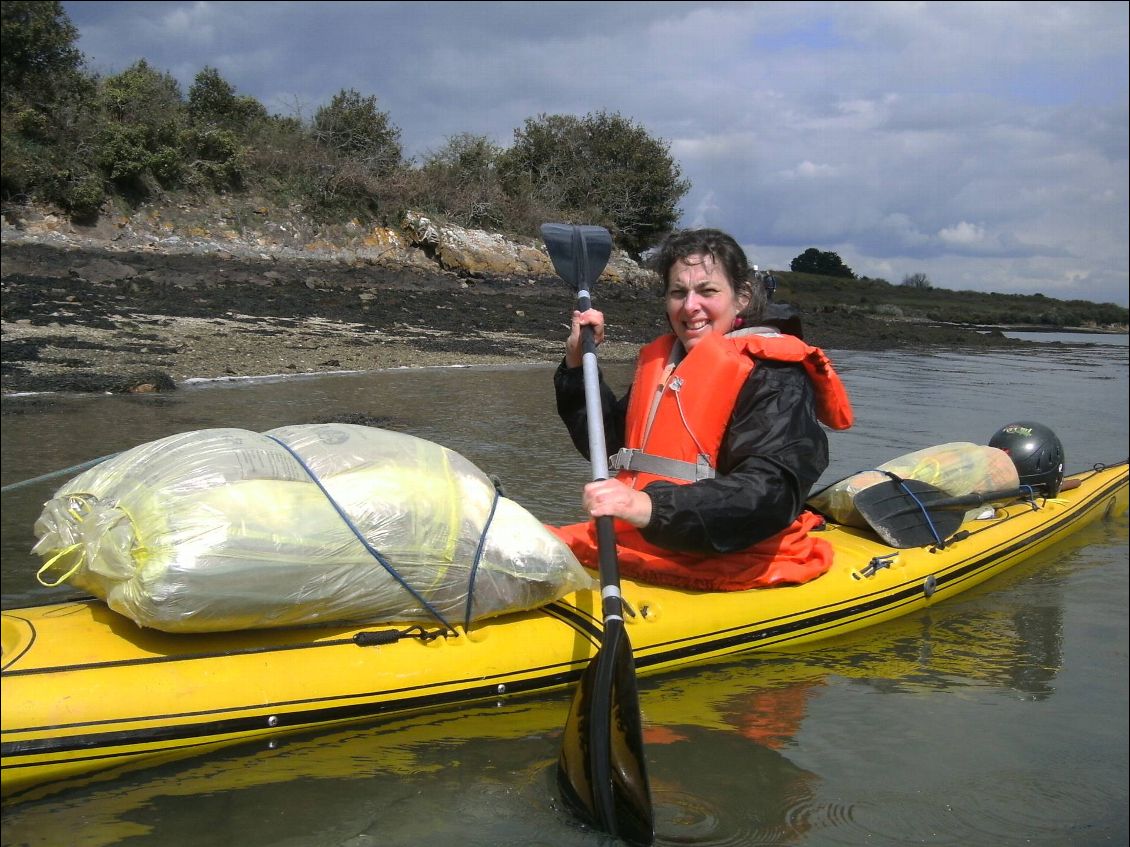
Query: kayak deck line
x=85 y=688
x=374 y=701
x=164 y=659
x=209 y=731
x=372 y=705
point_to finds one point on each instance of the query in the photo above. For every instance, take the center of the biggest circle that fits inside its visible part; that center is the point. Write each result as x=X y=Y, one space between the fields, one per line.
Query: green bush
x=602 y=168
x=826 y=263
x=83 y=194
x=39 y=64
x=140 y=114
x=460 y=182
x=213 y=103
x=218 y=159
x=123 y=153
x=353 y=128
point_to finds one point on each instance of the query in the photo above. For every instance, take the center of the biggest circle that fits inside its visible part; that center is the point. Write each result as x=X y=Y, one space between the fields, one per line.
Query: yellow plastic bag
x=228 y=529
x=957 y=468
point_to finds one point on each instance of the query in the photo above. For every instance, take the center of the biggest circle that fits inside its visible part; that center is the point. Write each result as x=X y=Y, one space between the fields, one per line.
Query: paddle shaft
x=598 y=458
x=613 y=668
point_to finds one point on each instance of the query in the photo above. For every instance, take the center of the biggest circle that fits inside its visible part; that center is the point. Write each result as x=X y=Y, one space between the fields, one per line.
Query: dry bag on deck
x=958 y=468
x=228 y=529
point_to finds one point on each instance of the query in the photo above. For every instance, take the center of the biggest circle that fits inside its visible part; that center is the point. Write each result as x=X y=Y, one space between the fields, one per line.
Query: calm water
x=999 y=718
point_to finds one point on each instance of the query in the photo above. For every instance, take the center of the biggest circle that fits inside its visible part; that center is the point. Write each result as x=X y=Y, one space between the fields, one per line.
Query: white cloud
x=963 y=233
x=808 y=170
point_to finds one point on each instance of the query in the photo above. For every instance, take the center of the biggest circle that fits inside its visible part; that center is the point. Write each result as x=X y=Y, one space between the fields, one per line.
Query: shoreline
x=86 y=318
x=91 y=320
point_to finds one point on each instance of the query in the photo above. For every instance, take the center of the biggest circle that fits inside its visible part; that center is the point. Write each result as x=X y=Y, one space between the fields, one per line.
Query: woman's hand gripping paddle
x=601 y=771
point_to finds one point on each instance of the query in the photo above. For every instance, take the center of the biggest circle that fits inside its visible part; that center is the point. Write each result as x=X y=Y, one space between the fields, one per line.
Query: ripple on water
x=1032 y=807
x=685 y=818
x=1021 y=809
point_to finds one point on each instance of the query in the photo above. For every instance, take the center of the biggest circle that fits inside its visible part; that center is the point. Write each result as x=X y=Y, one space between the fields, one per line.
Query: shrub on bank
x=80 y=142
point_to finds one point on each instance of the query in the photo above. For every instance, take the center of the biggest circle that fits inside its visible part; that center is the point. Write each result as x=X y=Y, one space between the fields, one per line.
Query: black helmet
x=1037 y=453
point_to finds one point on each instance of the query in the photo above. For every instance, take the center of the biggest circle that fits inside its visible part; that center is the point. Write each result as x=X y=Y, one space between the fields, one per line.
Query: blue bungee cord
x=357 y=533
x=478 y=557
x=938 y=540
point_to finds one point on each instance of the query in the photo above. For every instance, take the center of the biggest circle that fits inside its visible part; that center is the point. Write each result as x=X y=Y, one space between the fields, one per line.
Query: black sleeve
x=569 y=386
x=773 y=452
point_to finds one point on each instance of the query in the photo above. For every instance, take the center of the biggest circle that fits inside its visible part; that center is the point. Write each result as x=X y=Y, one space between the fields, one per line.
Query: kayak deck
x=84 y=688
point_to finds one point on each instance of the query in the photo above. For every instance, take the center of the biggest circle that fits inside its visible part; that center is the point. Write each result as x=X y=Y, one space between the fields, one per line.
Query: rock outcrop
x=419 y=243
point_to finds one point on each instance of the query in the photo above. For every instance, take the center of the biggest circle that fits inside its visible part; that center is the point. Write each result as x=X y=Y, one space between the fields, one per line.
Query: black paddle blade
x=910 y=513
x=579 y=253
x=601 y=772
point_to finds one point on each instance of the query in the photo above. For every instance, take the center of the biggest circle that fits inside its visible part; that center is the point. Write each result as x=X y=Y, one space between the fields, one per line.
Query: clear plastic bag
x=957 y=468
x=227 y=529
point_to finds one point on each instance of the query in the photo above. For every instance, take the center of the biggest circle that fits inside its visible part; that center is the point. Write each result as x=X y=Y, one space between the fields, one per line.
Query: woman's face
x=700 y=299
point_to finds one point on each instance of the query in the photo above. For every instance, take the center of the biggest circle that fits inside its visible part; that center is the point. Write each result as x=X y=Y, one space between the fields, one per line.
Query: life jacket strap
x=627 y=459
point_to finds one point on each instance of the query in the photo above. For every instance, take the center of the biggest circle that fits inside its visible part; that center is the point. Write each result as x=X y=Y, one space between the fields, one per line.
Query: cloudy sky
x=983 y=144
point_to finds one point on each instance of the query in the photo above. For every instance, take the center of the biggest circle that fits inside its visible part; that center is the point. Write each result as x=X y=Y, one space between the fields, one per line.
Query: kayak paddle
x=601 y=771
x=911 y=513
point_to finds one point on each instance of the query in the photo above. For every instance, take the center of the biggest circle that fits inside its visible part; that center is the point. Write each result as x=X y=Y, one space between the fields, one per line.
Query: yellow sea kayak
x=84 y=688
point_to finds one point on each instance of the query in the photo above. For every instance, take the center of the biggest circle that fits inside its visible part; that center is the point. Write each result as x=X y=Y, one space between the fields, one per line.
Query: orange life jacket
x=680 y=413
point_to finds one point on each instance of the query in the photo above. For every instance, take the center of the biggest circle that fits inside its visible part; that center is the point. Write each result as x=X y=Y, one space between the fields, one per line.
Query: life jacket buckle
x=629 y=459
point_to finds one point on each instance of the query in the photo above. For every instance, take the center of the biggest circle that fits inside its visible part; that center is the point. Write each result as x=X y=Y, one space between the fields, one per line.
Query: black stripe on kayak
x=581 y=621
x=213 y=731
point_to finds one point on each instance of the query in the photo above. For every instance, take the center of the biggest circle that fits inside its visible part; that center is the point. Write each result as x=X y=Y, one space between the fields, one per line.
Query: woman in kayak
x=717 y=442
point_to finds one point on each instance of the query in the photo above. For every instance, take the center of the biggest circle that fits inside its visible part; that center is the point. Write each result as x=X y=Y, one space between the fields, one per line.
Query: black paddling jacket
x=773 y=452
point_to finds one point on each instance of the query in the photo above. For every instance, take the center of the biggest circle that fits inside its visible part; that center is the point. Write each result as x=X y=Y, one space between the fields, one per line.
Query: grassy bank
x=874 y=298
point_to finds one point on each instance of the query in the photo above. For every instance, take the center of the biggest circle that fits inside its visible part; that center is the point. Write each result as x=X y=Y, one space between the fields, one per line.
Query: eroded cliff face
x=418 y=244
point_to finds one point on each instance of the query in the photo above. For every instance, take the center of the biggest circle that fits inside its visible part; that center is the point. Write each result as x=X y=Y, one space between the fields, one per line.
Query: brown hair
x=725 y=251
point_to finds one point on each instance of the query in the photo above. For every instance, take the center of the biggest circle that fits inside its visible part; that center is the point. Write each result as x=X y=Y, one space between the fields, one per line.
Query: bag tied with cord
x=957 y=468
x=227 y=529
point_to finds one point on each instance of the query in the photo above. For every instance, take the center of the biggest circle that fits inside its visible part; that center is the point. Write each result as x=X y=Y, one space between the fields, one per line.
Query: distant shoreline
x=1083 y=330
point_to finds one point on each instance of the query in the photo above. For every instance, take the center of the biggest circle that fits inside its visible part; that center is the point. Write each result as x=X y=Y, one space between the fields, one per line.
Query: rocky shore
x=144 y=304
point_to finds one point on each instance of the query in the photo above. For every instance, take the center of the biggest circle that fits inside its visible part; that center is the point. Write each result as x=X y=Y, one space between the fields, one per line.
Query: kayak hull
x=84 y=688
